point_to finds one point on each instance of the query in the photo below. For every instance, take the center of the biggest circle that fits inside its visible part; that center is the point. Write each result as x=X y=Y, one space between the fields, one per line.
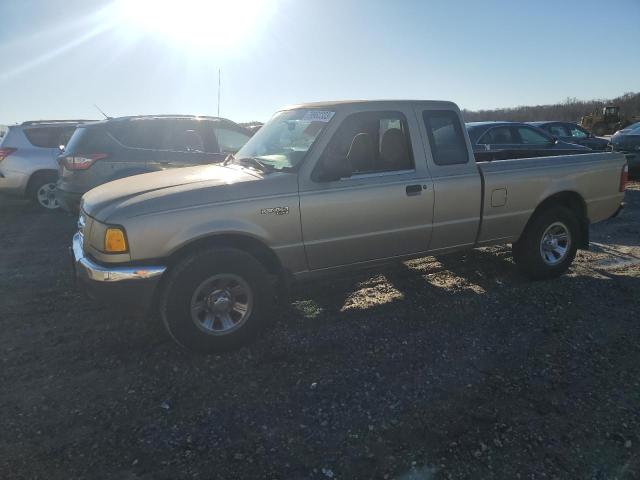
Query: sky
x=60 y=57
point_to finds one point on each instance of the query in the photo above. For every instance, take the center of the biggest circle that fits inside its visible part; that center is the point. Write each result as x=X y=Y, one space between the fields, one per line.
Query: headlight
x=115 y=240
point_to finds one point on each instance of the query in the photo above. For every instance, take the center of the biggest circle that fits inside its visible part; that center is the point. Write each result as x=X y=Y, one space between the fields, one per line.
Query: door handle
x=413 y=190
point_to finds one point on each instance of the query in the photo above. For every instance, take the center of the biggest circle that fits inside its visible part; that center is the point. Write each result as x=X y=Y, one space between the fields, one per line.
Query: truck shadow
x=420 y=281
x=456 y=276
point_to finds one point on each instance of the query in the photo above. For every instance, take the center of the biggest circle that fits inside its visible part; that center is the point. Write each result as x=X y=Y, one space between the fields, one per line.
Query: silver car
x=28 y=166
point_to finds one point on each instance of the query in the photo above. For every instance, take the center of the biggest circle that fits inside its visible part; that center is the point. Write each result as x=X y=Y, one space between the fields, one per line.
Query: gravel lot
x=451 y=367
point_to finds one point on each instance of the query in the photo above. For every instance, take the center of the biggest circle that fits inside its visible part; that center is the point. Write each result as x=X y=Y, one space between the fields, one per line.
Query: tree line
x=568 y=111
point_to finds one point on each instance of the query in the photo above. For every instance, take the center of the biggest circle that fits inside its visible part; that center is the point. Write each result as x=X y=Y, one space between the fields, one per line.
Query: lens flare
x=195 y=23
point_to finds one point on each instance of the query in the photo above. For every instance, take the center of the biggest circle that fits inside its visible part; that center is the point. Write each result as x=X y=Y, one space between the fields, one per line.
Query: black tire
x=41 y=191
x=532 y=257
x=189 y=275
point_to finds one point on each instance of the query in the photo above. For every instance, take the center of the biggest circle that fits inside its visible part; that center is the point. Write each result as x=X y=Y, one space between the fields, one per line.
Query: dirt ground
x=451 y=367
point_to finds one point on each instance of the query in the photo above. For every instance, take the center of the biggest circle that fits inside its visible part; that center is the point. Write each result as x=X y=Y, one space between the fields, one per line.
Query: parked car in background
x=326 y=188
x=28 y=154
x=115 y=148
x=627 y=141
x=573 y=133
x=502 y=140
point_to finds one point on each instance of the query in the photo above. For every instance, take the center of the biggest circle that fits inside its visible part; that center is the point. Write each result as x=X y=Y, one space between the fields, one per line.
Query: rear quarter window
x=145 y=134
x=49 y=137
x=89 y=140
x=447 y=142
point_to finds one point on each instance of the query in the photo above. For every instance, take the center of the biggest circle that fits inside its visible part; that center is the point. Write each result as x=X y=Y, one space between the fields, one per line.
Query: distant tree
x=569 y=111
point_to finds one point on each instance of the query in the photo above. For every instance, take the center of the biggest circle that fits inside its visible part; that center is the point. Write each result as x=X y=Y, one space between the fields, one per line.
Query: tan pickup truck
x=320 y=189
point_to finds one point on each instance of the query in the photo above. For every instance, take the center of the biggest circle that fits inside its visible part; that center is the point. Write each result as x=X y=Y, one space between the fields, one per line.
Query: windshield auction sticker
x=318 y=116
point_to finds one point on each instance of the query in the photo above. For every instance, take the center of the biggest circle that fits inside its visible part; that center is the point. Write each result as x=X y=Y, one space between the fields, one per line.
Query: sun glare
x=196 y=23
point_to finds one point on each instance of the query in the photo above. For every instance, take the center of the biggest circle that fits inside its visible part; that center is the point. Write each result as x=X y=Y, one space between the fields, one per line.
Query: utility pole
x=219 y=81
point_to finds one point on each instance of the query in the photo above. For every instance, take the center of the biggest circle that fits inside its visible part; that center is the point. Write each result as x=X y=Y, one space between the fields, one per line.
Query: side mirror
x=332 y=168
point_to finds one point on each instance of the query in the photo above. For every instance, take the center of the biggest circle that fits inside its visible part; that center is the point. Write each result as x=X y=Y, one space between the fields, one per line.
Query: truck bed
x=513 y=188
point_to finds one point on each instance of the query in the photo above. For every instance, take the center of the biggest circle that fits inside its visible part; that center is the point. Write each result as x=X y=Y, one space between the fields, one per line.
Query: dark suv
x=103 y=151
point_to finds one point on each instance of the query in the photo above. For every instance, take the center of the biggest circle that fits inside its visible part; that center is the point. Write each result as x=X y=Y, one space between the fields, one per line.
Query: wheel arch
x=36 y=175
x=247 y=243
x=573 y=201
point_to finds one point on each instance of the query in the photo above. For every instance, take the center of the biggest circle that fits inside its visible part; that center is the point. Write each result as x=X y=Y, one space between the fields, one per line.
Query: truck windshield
x=283 y=141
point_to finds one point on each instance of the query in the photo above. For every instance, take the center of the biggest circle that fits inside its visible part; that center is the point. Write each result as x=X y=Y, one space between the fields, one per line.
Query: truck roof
x=381 y=103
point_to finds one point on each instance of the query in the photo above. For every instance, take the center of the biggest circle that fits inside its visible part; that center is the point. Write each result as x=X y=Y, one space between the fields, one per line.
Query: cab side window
x=577 y=132
x=447 y=142
x=529 y=136
x=498 y=136
x=140 y=133
x=184 y=136
x=558 y=130
x=373 y=142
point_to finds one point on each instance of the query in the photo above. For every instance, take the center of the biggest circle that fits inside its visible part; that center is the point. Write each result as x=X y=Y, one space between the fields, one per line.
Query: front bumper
x=133 y=286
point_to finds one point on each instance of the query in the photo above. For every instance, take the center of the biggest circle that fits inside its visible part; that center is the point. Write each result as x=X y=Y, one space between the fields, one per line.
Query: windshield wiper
x=265 y=167
x=230 y=158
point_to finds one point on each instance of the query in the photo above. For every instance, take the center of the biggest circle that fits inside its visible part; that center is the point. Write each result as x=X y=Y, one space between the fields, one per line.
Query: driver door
x=384 y=209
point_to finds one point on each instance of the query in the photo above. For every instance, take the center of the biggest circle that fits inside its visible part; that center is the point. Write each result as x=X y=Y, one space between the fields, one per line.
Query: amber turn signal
x=115 y=241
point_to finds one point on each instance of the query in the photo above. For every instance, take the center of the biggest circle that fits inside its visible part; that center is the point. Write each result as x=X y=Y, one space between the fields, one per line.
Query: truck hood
x=173 y=189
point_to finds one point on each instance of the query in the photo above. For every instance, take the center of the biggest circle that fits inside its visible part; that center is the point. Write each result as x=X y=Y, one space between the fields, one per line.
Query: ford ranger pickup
x=321 y=189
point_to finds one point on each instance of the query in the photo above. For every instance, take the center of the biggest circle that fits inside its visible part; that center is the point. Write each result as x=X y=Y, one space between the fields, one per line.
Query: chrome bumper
x=86 y=268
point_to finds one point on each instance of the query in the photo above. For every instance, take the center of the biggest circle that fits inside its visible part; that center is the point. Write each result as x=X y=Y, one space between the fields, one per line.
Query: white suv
x=28 y=155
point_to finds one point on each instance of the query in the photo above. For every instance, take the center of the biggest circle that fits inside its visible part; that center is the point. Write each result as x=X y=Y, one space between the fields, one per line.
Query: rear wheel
x=548 y=245
x=216 y=300
x=42 y=191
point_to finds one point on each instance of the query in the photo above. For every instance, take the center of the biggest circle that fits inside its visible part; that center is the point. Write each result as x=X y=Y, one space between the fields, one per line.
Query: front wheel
x=548 y=245
x=216 y=300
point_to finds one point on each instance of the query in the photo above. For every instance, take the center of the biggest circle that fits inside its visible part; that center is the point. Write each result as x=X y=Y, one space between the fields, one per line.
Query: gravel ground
x=450 y=367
